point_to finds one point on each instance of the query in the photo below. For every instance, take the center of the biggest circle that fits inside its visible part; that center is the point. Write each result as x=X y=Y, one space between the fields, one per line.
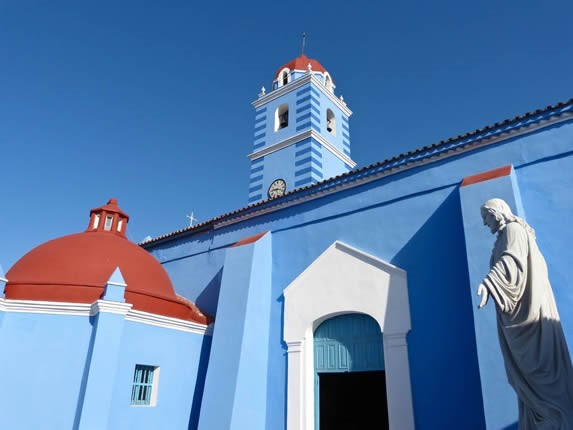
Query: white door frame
x=345 y=280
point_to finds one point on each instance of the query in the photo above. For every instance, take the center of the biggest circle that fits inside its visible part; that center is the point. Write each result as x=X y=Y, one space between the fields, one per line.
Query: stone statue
x=535 y=353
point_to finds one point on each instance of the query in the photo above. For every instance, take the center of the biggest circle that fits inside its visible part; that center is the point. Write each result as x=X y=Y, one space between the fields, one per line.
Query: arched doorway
x=350 y=382
x=340 y=281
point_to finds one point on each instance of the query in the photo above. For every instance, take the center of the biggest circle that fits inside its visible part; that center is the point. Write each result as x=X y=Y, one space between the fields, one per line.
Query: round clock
x=277 y=188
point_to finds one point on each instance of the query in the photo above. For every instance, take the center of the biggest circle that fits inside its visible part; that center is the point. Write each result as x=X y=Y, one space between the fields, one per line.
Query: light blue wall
x=413 y=219
x=43 y=362
x=236 y=382
x=45 y=373
x=178 y=355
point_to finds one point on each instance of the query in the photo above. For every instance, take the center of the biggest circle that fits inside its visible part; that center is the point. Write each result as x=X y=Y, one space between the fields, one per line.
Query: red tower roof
x=301 y=63
x=76 y=268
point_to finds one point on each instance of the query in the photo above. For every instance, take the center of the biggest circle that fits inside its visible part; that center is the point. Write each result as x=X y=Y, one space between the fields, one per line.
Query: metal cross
x=191 y=218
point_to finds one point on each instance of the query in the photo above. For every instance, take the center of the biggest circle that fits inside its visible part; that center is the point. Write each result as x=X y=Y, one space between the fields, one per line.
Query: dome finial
x=303 y=43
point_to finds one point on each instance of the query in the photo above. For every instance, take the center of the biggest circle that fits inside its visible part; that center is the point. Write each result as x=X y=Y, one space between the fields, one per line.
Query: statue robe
x=536 y=357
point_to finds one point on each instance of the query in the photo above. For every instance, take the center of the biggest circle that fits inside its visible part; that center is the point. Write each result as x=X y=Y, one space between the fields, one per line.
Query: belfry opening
x=350 y=378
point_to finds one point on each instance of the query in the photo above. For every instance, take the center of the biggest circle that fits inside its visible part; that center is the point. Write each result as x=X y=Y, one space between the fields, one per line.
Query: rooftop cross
x=191 y=219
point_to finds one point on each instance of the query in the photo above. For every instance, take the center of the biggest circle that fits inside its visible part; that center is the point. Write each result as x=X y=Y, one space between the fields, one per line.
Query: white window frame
x=280 y=78
x=154 y=387
x=96 y=221
x=108 y=223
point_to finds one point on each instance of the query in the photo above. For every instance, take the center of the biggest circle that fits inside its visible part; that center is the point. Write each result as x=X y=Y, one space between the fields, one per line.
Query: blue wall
x=413 y=220
x=178 y=354
x=45 y=371
x=43 y=362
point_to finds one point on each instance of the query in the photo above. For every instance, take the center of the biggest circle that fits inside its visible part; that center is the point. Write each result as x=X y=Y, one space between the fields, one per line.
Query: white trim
x=168 y=322
x=117 y=284
x=48 y=308
x=91 y=309
x=279 y=79
x=345 y=280
x=108 y=306
x=407 y=166
x=299 y=137
x=297 y=83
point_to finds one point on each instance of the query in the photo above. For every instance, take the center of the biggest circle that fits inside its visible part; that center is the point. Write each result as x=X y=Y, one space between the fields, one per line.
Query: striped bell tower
x=301 y=134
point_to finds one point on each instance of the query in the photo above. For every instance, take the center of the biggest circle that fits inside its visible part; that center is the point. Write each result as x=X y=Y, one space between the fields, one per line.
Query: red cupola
x=76 y=268
x=301 y=64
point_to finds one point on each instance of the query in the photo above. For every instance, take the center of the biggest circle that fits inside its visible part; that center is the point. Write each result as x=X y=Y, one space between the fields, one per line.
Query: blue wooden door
x=346 y=343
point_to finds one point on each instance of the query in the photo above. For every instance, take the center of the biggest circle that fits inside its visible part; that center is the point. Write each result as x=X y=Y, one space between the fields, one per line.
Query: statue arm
x=506 y=280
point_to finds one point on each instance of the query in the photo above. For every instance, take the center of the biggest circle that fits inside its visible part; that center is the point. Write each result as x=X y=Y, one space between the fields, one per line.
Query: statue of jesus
x=535 y=353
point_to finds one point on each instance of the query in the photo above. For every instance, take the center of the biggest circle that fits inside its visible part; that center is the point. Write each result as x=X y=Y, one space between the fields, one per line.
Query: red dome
x=76 y=268
x=301 y=63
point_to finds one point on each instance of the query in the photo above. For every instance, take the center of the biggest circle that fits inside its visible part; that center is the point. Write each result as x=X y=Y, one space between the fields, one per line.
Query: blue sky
x=149 y=101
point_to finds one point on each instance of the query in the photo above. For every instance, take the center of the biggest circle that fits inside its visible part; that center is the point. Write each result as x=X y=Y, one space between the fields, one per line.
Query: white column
x=295 y=387
x=398 y=389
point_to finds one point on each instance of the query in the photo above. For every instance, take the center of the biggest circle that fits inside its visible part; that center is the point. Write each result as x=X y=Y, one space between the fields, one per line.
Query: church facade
x=338 y=298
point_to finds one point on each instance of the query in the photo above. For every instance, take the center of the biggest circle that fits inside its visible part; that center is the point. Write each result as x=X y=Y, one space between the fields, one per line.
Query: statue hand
x=484 y=293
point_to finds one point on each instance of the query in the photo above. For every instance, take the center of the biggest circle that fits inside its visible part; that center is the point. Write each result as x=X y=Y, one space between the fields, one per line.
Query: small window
x=284 y=77
x=108 y=223
x=144 y=389
x=281 y=117
x=328 y=82
x=96 y=221
x=330 y=122
x=119 y=225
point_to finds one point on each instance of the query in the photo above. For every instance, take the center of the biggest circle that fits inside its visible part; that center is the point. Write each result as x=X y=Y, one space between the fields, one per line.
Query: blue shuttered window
x=142 y=385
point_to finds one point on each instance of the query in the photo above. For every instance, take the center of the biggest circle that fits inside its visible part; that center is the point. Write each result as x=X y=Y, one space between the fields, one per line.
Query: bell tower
x=301 y=133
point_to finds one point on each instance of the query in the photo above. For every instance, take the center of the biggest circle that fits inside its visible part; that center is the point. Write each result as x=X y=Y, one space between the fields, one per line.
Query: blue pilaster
x=499 y=399
x=103 y=356
x=235 y=396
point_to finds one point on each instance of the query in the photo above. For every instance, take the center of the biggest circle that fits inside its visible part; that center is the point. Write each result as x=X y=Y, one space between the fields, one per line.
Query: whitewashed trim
x=117 y=284
x=48 y=308
x=298 y=138
x=111 y=307
x=297 y=83
x=168 y=322
x=91 y=309
x=407 y=166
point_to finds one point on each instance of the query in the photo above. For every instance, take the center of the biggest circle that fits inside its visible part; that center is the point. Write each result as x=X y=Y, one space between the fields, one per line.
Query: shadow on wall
x=200 y=383
x=511 y=427
x=209 y=297
x=441 y=343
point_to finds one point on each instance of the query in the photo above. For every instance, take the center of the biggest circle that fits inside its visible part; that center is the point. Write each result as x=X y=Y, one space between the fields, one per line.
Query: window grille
x=142 y=385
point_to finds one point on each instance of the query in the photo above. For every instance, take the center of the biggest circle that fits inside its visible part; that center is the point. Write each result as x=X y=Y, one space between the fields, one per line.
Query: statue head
x=496 y=214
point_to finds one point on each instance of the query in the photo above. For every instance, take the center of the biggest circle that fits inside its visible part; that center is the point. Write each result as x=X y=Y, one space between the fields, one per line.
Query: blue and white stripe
x=256 y=180
x=308 y=163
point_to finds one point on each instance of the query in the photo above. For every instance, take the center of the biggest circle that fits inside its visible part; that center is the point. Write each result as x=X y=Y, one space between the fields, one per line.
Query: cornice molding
x=111 y=307
x=168 y=322
x=105 y=306
x=297 y=83
x=298 y=138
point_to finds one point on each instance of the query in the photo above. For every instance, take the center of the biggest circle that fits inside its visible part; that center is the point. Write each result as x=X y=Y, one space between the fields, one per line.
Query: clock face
x=277 y=189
